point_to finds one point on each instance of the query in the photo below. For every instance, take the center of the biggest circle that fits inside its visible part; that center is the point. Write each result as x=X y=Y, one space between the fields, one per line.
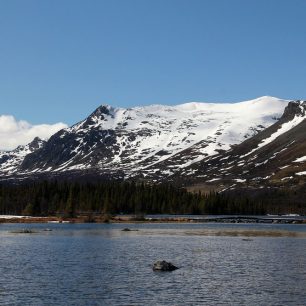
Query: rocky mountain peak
x=101 y=113
x=294 y=108
x=36 y=143
x=103 y=110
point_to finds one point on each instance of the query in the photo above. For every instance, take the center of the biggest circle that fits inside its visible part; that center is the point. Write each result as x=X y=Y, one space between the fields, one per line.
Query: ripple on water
x=101 y=265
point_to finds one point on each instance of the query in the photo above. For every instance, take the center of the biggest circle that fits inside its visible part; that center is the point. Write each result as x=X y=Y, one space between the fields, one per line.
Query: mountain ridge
x=155 y=143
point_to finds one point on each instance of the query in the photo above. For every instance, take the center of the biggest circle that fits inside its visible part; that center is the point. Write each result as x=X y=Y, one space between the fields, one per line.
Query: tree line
x=50 y=198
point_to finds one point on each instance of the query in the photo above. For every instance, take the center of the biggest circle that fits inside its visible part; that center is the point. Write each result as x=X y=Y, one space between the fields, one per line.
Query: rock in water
x=163 y=265
x=129 y=230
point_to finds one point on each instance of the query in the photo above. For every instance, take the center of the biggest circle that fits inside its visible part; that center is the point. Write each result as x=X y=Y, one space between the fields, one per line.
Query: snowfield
x=204 y=128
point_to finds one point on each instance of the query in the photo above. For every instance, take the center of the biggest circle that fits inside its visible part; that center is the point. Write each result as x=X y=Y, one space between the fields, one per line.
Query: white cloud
x=14 y=133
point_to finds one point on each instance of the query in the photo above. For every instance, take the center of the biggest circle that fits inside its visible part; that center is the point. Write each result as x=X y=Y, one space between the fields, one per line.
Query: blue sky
x=60 y=59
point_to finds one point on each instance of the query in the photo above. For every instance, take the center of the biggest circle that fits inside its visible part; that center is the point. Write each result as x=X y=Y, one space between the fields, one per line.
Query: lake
x=99 y=264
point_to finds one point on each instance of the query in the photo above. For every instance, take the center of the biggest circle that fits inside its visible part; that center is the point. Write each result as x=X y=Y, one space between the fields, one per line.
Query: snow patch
x=214 y=179
x=300 y=159
x=287 y=178
x=240 y=180
x=301 y=173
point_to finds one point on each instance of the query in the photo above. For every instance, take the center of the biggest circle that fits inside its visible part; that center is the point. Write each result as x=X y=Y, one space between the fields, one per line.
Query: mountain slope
x=274 y=157
x=10 y=161
x=153 y=139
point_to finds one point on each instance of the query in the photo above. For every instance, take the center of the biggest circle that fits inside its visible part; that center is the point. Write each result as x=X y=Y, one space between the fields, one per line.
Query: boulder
x=129 y=230
x=163 y=265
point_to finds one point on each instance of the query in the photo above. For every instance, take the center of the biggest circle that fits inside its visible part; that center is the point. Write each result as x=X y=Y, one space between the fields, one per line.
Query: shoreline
x=159 y=219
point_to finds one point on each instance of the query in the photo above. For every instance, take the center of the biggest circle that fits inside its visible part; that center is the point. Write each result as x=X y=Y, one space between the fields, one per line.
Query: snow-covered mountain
x=275 y=157
x=10 y=161
x=151 y=141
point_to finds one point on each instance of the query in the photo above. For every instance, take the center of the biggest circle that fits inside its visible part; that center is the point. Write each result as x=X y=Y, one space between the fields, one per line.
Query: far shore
x=275 y=219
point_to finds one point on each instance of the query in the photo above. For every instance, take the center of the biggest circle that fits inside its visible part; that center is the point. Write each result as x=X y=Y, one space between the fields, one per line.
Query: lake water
x=99 y=264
